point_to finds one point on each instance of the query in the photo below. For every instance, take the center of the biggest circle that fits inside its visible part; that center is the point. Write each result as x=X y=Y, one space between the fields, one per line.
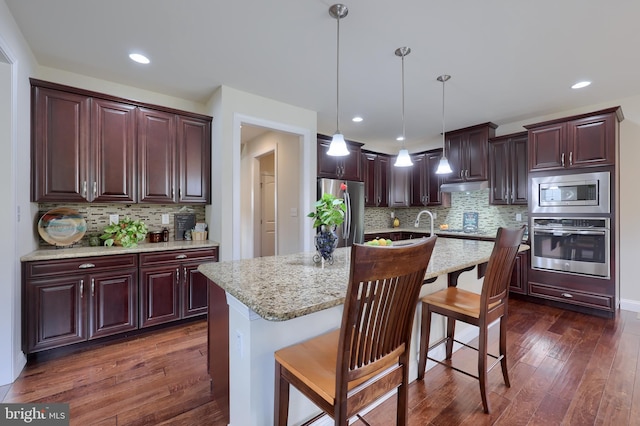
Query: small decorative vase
x=326 y=241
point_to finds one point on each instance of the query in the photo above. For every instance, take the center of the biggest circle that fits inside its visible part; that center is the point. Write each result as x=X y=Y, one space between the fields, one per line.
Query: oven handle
x=567 y=232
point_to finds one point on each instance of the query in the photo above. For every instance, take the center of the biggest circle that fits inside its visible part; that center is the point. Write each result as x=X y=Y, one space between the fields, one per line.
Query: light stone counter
x=75 y=252
x=280 y=288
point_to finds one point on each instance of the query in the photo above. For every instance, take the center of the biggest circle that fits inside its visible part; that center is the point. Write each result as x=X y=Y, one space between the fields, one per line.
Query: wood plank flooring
x=566 y=368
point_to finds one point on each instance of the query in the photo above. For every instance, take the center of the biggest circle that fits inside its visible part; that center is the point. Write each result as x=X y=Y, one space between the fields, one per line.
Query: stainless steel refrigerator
x=352 y=230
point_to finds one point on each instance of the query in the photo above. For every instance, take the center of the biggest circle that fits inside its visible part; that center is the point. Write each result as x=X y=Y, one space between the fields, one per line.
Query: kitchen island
x=277 y=301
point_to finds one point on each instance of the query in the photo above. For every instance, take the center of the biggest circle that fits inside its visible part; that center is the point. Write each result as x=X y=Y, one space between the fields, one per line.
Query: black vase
x=326 y=242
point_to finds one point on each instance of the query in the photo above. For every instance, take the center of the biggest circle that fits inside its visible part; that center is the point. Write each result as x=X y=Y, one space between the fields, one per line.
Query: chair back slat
x=383 y=292
x=500 y=267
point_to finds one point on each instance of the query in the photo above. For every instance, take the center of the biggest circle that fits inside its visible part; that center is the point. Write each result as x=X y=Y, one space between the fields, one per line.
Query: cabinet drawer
x=208 y=254
x=571 y=296
x=82 y=264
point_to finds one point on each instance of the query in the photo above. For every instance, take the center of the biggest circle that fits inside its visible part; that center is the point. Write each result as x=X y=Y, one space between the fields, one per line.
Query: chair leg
x=503 y=351
x=402 y=407
x=425 y=331
x=482 y=366
x=451 y=330
x=281 y=398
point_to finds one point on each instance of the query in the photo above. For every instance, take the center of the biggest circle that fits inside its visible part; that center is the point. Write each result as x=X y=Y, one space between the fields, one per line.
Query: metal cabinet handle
x=93 y=287
x=84 y=188
x=86 y=266
x=95 y=188
x=567 y=295
x=172 y=193
x=181 y=256
x=563 y=159
x=379 y=199
x=178 y=274
x=81 y=289
x=571 y=158
x=184 y=274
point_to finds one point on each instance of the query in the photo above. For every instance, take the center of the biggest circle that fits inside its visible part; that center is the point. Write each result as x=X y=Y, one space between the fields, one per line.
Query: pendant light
x=338 y=146
x=403 y=159
x=443 y=166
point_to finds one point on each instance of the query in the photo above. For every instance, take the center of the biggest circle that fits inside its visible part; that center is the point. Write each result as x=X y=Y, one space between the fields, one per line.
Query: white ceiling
x=509 y=60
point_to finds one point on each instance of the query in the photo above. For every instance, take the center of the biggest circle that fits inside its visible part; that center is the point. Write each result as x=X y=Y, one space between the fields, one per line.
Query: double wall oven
x=570 y=224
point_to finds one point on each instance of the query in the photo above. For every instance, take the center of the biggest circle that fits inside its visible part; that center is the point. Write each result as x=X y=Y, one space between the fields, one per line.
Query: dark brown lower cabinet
x=74 y=300
x=519 y=276
x=171 y=287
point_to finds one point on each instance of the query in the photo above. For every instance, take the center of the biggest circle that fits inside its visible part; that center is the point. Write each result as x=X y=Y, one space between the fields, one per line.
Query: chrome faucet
x=417 y=222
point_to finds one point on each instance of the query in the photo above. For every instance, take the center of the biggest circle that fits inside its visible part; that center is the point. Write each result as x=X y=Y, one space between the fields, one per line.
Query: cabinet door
x=60 y=146
x=546 y=147
x=519 y=276
x=418 y=181
x=194 y=292
x=520 y=170
x=369 y=178
x=114 y=303
x=382 y=191
x=476 y=156
x=591 y=141
x=159 y=295
x=455 y=149
x=194 y=159
x=113 y=127
x=55 y=312
x=434 y=196
x=399 y=186
x=328 y=166
x=499 y=175
x=351 y=163
x=156 y=156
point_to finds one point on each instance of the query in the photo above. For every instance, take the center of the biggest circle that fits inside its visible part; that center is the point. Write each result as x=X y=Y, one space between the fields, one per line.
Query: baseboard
x=630 y=305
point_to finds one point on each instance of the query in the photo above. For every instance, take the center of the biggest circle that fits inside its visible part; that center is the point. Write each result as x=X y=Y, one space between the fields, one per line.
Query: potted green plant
x=125 y=233
x=329 y=213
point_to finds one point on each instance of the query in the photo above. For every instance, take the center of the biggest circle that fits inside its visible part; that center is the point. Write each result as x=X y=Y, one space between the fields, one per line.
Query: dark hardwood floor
x=566 y=368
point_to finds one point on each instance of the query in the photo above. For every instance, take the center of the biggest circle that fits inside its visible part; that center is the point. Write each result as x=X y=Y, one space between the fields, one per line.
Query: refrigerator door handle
x=346 y=227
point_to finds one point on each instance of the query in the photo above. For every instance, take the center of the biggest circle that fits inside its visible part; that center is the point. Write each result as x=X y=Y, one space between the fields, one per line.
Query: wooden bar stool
x=348 y=369
x=476 y=309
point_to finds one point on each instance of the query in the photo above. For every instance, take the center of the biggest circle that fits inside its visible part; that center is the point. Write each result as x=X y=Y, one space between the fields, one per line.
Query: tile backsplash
x=489 y=217
x=97 y=216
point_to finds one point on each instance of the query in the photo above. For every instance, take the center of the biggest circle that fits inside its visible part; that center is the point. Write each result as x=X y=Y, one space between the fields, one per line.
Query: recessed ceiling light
x=581 y=84
x=141 y=59
x=356 y=119
x=400 y=138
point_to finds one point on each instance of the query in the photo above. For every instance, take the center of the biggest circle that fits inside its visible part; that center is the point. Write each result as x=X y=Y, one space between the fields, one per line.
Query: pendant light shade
x=443 y=166
x=403 y=159
x=338 y=147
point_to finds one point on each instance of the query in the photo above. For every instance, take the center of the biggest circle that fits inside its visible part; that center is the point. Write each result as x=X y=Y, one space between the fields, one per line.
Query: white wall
x=18 y=238
x=230 y=108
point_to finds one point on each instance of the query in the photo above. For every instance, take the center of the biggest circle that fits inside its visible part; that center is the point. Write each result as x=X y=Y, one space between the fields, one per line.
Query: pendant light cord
x=338 y=77
x=403 y=138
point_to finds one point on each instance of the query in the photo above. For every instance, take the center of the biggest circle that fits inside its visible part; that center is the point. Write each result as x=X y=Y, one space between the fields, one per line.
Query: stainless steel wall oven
x=571 y=245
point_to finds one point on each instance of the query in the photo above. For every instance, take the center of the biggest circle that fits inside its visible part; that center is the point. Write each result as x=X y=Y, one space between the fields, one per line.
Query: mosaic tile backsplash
x=97 y=216
x=489 y=217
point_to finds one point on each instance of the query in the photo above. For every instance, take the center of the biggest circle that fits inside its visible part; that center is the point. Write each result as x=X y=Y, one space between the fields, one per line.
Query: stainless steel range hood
x=464 y=186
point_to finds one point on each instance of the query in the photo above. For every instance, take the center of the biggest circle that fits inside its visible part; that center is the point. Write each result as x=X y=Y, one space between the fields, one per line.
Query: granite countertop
x=280 y=288
x=480 y=234
x=75 y=252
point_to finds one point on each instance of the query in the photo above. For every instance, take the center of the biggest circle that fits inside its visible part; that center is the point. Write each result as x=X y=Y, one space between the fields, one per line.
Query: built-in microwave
x=573 y=193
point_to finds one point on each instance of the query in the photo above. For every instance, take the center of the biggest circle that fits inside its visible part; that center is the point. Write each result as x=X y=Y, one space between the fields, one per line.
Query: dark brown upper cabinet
x=425 y=183
x=60 y=146
x=466 y=150
x=91 y=147
x=375 y=173
x=347 y=167
x=508 y=169
x=587 y=140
